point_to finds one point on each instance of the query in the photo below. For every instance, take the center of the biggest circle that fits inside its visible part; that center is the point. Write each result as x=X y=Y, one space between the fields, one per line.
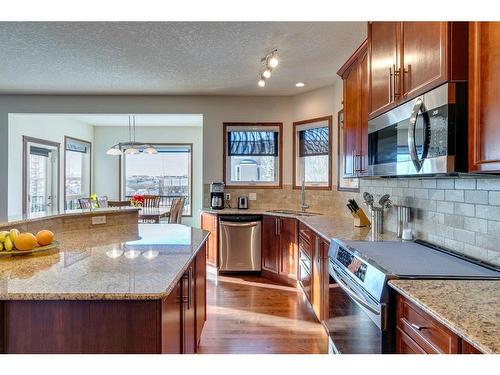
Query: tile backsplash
x=462 y=214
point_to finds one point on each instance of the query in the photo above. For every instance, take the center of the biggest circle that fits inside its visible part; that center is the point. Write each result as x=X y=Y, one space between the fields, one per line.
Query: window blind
x=255 y=143
x=313 y=142
x=72 y=145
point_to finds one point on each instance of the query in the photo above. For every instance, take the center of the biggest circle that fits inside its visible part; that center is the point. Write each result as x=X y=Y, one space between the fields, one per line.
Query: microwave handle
x=412 y=146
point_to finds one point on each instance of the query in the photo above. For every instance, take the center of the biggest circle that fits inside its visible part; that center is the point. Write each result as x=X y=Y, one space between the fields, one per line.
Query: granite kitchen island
x=120 y=289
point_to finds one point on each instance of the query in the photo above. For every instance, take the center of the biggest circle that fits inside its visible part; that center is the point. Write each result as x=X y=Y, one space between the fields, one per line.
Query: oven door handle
x=353 y=295
x=412 y=144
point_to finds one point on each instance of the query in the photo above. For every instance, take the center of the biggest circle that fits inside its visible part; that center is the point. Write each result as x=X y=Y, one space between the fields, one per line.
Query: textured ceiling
x=122 y=119
x=214 y=58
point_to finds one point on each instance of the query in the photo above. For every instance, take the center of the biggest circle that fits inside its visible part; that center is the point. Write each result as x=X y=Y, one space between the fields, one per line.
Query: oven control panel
x=355 y=265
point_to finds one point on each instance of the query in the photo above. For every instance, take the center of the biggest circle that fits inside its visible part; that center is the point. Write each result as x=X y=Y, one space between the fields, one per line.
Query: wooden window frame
x=296 y=124
x=121 y=171
x=66 y=138
x=279 y=125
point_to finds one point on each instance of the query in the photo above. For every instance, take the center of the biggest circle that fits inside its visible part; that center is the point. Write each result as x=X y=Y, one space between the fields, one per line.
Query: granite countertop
x=326 y=226
x=470 y=308
x=107 y=263
x=37 y=216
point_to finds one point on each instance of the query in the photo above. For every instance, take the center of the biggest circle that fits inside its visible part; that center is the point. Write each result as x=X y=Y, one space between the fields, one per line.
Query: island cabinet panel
x=484 y=98
x=43 y=327
x=124 y=327
x=201 y=293
x=288 y=233
x=469 y=349
x=188 y=312
x=209 y=222
x=270 y=244
x=426 y=334
x=171 y=322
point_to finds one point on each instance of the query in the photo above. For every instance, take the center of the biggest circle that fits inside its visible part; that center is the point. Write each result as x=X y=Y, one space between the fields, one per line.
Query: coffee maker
x=217 y=195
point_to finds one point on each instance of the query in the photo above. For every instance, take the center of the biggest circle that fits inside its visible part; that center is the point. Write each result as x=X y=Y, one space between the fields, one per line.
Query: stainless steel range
x=361 y=306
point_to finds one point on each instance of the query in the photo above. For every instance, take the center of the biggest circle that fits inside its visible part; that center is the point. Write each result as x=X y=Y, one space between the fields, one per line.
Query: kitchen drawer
x=306 y=233
x=305 y=277
x=430 y=335
x=405 y=345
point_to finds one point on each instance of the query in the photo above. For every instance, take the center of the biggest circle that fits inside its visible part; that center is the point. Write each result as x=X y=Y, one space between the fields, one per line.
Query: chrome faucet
x=303 y=204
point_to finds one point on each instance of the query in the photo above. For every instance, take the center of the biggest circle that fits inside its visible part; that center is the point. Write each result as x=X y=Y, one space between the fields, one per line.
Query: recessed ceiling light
x=300 y=84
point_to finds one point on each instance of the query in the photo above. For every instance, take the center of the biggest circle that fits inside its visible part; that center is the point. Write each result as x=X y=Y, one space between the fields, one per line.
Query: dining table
x=153 y=214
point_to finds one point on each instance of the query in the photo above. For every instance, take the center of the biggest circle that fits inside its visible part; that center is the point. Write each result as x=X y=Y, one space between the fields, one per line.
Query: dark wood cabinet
x=201 y=293
x=484 y=101
x=171 y=322
x=419 y=333
x=270 y=244
x=313 y=270
x=280 y=248
x=423 y=61
x=354 y=74
x=407 y=59
x=210 y=222
x=288 y=233
x=188 y=312
x=383 y=62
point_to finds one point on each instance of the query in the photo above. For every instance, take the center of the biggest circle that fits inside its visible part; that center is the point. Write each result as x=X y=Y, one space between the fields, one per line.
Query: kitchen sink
x=293 y=212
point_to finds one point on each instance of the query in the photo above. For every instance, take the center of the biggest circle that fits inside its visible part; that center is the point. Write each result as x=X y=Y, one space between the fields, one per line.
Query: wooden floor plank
x=249 y=314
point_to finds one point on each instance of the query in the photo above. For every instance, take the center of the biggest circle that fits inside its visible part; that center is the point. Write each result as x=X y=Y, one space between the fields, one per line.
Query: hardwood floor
x=250 y=314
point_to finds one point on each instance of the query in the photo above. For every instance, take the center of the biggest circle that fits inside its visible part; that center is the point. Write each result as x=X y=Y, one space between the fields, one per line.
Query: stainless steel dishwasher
x=240 y=248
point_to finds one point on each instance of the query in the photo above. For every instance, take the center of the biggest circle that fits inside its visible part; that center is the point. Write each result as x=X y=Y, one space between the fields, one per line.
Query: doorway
x=40 y=176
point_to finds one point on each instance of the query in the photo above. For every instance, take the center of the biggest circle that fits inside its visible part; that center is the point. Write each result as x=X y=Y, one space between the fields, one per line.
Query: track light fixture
x=270 y=61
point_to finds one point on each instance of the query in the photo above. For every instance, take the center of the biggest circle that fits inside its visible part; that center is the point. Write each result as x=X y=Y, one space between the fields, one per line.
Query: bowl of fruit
x=14 y=242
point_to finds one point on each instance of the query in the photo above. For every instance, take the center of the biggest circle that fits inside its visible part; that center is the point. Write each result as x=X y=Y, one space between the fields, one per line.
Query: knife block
x=360 y=219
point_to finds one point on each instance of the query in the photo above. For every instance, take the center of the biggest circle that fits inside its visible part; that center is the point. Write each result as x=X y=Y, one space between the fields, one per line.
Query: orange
x=25 y=242
x=45 y=237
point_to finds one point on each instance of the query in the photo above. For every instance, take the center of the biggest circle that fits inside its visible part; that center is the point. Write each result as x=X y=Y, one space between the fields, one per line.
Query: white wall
x=215 y=111
x=50 y=128
x=318 y=103
x=106 y=167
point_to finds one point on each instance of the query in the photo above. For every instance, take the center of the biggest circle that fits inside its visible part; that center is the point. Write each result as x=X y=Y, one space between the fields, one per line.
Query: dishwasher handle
x=240 y=225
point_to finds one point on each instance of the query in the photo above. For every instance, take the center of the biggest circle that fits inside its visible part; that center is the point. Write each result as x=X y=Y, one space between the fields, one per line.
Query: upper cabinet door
x=484 y=98
x=382 y=66
x=363 y=116
x=423 y=50
x=351 y=119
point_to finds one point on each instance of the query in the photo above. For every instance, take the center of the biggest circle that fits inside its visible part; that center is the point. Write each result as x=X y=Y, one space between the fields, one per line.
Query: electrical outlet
x=228 y=196
x=252 y=196
x=98 y=220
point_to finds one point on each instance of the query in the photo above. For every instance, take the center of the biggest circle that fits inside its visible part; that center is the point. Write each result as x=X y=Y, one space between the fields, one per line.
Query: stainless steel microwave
x=424 y=136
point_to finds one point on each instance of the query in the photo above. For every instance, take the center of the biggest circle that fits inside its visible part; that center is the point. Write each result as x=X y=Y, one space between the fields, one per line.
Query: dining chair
x=85 y=203
x=102 y=202
x=118 y=203
x=151 y=201
x=175 y=216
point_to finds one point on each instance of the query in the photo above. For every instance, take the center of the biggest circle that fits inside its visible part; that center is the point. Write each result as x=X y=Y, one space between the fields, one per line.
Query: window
x=312 y=150
x=167 y=174
x=252 y=154
x=77 y=161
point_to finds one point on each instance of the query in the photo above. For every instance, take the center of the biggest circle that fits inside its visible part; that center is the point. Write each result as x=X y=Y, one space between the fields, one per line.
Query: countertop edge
x=107 y=296
x=98 y=211
x=441 y=319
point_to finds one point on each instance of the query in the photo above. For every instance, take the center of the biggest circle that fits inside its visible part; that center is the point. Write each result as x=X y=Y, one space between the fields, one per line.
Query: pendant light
x=131 y=147
x=131 y=150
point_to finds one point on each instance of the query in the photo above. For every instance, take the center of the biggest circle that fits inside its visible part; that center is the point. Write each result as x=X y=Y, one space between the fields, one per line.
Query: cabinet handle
x=396 y=74
x=408 y=73
x=390 y=84
x=417 y=327
x=279 y=225
x=190 y=289
x=276 y=227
